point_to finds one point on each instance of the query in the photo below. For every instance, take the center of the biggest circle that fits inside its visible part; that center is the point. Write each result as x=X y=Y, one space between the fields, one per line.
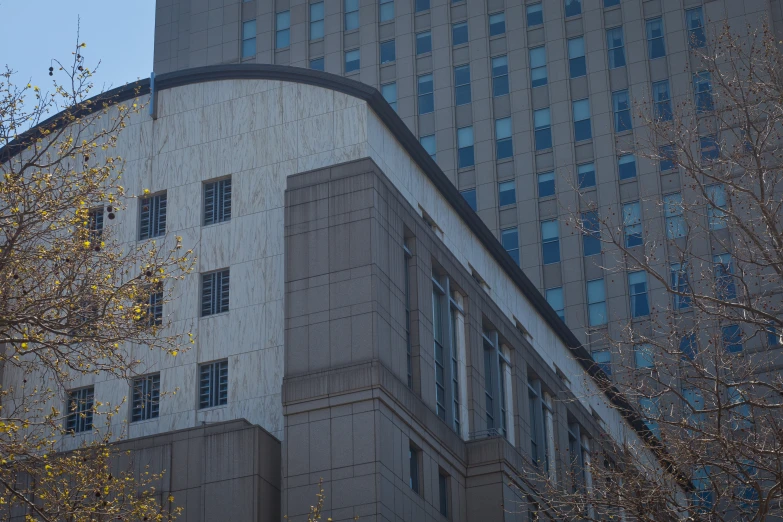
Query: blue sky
x=118 y=33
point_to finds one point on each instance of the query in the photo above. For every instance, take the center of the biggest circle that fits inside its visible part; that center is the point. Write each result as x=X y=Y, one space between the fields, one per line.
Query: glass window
x=673 y=212
x=441 y=345
x=662 y=100
x=424 y=42
x=510 y=240
x=643 y=356
x=459 y=33
x=702 y=90
x=152 y=304
x=413 y=469
x=443 y=490
x=655 y=44
x=462 y=84
x=145 y=403
x=465 y=147
x=428 y=142
x=499 y=76
x=542 y=124
x=317 y=64
x=582 y=129
x=95 y=222
x=688 y=346
x=626 y=165
x=591 y=233
x=694 y=23
x=388 y=53
x=709 y=148
x=217 y=201
x=470 y=197
x=773 y=336
x=716 y=202
x=80 y=410
x=316 y=21
x=650 y=409
x=611 y=3
x=554 y=296
x=680 y=286
x=596 y=302
x=637 y=284
x=407 y=269
x=422 y=5
x=585 y=175
x=497 y=24
x=283 y=34
x=614 y=42
x=504 y=147
x=550 y=242
x=576 y=57
x=389 y=92
x=386 y=10
x=213 y=384
x=352 y=61
x=622 y=111
x=351 y=15
x=248 y=39
x=632 y=224
x=732 y=338
x=215 y=292
x=535 y=15
x=667 y=157
x=152 y=221
x=538 y=66
x=426 y=99
x=546 y=184
x=725 y=288
x=507 y=193
x=573 y=7
x=603 y=359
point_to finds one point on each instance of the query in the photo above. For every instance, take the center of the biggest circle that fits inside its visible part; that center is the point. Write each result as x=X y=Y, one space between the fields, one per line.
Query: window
x=504 y=147
x=389 y=92
x=538 y=66
x=688 y=346
x=650 y=409
x=667 y=157
x=626 y=165
x=554 y=296
x=283 y=27
x=603 y=359
x=732 y=338
x=153 y=216
x=614 y=42
x=541 y=121
x=80 y=410
x=550 y=242
x=578 y=452
x=248 y=39
x=540 y=424
x=351 y=15
x=426 y=99
x=773 y=336
x=725 y=288
x=153 y=305
x=510 y=240
x=146 y=398
x=352 y=62
x=316 y=21
x=655 y=44
x=582 y=130
x=422 y=5
x=716 y=202
x=662 y=100
x=596 y=302
x=95 y=223
x=464 y=147
x=702 y=498
x=217 y=201
x=499 y=76
x=388 y=52
x=673 y=212
x=702 y=91
x=611 y=3
x=409 y=357
x=632 y=224
x=443 y=490
x=462 y=84
x=507 y=193
x=643 y=356
x=576 y=57
x=459 y=33
x=495 y=399
x=413 y=468
x=445 y=312
x=546 y=184
x=573 y=7
x=694 y=23
x=497 y=24
x=709 y=148
x=213 y=384
x=679 y=285
x=442 y=346
x=428 y=142
x=386 y=11
x=423 y=42
x=535 y=15
x=585 y=175
x=622 y=111
x=470 y=197
x=637 y=284
x=591 y=233
x=317 y=64
x=214 y=292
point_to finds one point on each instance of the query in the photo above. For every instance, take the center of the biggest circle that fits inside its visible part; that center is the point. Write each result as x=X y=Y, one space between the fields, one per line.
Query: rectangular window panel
x=316 y=21
x=462 y=85
x=582 y=129
x=283 y=27
x=389 y=92
x=637 y=285
x=153 y=307
x=146 y=398
x=510 y=240
x=214 y=293
x=732 y=338
x=680 y=286
x=626 y=166
x=716 y=202
x=603 y=359
x=351 y=15
x=388 y=52
x=535 y=15
x=611 y=3
x=694 y=23
x=688 y=346
x=443 y=491
x=424 y=43
x=538 y=74
x=470 y=197
x=497 y=24
x=489 y=387
x=422 y=5
x=673 y=213
x=550 y=238
x=586 y=175
x=702 y=91
x=616 y=47
x=440 y=347
x=554 y=296
x=317 y=64
x=577 y=66
x=507 y=194
x=655 y=43
x=667 y=156
x=709 y=148
x=725 y=287
x=662 y=100
x=596 y=302
x=248 y=39
x=153 y=216
x=499 y=76
x=426 y=99
x=632 y=224
x=573 y=7
x=413 y=469
x=352 y=61
x=621 y=104
x=95 y=223
x=409 y=355
x=543 y=130
x=80 y=410
x=217 y=201
x=591 y=233
x=643 y=356
x=428 y=142
x=650 y=410
x=386 y=11
x=504 y=147
x=546 y=184
x=459 y=33
x=465 y=147
x=213 y=384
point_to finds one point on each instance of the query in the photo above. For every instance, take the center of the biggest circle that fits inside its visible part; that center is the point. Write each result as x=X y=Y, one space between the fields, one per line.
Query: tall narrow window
x=445 y=312
x=351 y=15
x=217 y=201
x=214 y=292
x=423 y=42
x=509 y=237
x=495 y=363
x=550 y=242
x=153 y=305
x=688 y=346
x=585 y=175
x=626 y=165
x=591 y=233
x=539 y=425
x=422 y=5
x=577 y=66
x=637 y=285
x=504 y=147
x=462 y=84
x=632 y=224
x=554 y=296
x=153 y=216
x=709 y=148
x=694 y=23
x=413 y=468
x=213 y=384
x=507 y=193
x=773 y=335
x=651 y=411
x=582 y=129
x=578 y=456
x=621 y=104
x=535 y=15
x=470 y=197
x=716 y=203
x=611 y=3
x=388 y=52
x=499 y=76
x=543 y=129
x=146 y=398
x=546 y=184
x=407 y=282
x=465 y=147
x=316 y=21
x=389 y=92
x=680 y=286
x=459 y=33
x=439 y=332
x=596 y=302
x=248 y=39
x=732 y=338
x=352 y=61
x=80 y=410
x=283 y=30
x=386 y=10
x=538 y=74
x=426 y=99
x=497 y=24
x=702 y=91
x=725 y=288
x=673 y=212
x=443 y=491
x=616 y=47
x=655 y=44
x=95 y=223
x=573 y=7
x=428 y=142
x=662 y=100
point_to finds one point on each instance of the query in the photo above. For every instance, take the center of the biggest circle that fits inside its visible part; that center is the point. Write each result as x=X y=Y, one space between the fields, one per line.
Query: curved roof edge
x=392 y=120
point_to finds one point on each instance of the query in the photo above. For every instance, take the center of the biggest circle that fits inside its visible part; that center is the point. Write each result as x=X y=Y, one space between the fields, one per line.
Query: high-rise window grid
x=248 y=39
x=499 y=76
x=616 y=47
x=352 y=60
x=637 y=286
x=550 y=242
x=680 y=286
x=213 y=384
x=694 y=23
x=535 y=14
x=214 y=292
x=596 y=302
x=546 y=184
x=145 y=403
x=621 y=105
x=425 y=94
x=554 y=296
x=538 y=75
x=386 y=10
x=662 y=100
x=316 y=21
x=626 y=166
x=656 y=48
x=389 y=92
x=591 y=233
x=577 y=66
x=459 y=33
x=423 y=42
x=632 y=224
x=152 y=216
x=673 y=212
x=80 y=410
x=462 y=84
x=504 y=146
x=388 y=52
x=217 y=201
x=283 y=30
x=351 y=15
x=444 y=326
x=497 y=24
x=585 y=175
x=465 y=147
x=543 y=130
x=582 y=128
x=509 y=238
x=688 y=346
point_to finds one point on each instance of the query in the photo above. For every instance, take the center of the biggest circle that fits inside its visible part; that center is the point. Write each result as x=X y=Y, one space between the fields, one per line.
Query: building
x=370 y=330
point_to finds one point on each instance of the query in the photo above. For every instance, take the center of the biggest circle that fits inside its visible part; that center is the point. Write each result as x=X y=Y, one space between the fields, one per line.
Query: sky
x=119 y=34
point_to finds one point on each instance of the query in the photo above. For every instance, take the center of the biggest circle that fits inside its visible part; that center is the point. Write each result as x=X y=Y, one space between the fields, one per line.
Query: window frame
x=656 y=45
x=316 y=22
x=534 y=56
x=283 y=32
x=633 y=231
x=583 y=125
x=423 y=36
x=425 y=100
x=145 y=397
x=462 y=99
x=358 y=61
x=351 y=16
x=528 y=11
x=636 y=293
x=385 y=11
x=504 y=144
x=217 y=381
x=596 y=303
x=553 y=182
x=502 y=22
x=445 y=307
x=456 y=29
x=615 y=51
x=221 y=207
x=220 y=282
x=158 y=204
x=623 y=119
x=500 y=82
x=248 y=26
x=468 y=148
x=80 y=419
x=550 y=244
x=577 y=65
